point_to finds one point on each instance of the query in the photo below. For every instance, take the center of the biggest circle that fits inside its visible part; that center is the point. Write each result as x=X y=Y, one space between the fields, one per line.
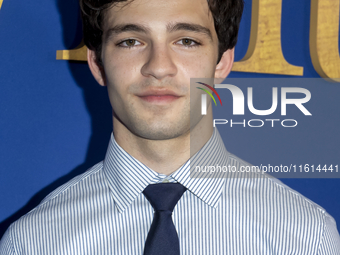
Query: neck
x=164 y=156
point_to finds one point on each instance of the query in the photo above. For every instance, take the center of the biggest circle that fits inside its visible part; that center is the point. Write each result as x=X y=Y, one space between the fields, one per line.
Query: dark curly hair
x=226 y=13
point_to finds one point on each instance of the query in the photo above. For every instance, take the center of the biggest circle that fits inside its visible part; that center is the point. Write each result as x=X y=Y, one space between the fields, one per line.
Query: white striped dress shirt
x=103 y=211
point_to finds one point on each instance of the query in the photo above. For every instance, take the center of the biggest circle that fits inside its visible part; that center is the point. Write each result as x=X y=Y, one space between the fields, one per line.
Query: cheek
x=199 y=66
x=116 y=68
x=119 y=74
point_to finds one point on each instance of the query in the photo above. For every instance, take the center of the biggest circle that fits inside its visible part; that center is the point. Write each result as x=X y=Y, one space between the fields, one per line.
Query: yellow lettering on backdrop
x=78 y=54
x=324 y=38
x=1 y=3
x=264 y=54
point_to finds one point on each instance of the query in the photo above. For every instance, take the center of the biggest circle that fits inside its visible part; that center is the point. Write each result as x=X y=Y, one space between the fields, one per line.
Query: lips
x=162 y=96
x=158 y=92
x=159 y=99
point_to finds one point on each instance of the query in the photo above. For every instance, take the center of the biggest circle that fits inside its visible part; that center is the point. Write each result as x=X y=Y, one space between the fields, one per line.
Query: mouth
x=159 y=99
x=160 y=96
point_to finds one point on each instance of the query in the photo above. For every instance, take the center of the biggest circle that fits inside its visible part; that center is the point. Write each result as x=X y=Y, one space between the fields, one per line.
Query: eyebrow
x=118 y=29
x=171 y=27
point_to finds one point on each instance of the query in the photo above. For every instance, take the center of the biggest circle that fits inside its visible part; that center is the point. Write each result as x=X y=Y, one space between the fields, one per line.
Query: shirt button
x=165 y=181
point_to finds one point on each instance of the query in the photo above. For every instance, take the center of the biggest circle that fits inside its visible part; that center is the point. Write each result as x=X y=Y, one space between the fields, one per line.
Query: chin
x=161 y=131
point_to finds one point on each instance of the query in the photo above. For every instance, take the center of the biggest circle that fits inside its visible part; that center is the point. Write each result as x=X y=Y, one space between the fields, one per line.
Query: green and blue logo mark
x=208 y=92
x=204 y=97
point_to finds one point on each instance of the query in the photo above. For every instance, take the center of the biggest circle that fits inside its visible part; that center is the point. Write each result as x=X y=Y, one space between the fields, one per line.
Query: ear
x=96 y=69
x=223 y=68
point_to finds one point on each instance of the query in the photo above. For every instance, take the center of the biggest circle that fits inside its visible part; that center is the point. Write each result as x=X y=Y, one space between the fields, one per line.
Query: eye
x=188 y=42
x=129 y=43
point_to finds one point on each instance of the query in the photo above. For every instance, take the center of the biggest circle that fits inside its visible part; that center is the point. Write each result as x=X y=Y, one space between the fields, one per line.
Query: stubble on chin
x=159 y=122
x=161 y=126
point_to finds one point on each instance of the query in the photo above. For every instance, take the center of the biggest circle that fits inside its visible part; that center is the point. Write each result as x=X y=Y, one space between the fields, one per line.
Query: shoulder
x=279 y=213
x=278 y=210
x=57 y=216
x=271 y=187
x=90 y=175
x=60 y=201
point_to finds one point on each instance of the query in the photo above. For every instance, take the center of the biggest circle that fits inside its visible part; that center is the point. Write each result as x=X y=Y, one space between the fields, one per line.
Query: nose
x=159 y=63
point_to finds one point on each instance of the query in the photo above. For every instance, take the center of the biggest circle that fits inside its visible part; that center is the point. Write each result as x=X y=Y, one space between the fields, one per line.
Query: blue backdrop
x=56 y=121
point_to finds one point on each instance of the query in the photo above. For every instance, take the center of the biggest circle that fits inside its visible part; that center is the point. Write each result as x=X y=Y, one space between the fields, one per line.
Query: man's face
x=151 y=49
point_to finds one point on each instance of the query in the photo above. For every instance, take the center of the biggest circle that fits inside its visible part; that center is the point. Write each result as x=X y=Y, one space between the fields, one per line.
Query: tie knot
x=164 y=196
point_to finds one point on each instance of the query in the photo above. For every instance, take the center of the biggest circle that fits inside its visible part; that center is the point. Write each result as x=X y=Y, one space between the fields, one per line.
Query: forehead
x=158 y=13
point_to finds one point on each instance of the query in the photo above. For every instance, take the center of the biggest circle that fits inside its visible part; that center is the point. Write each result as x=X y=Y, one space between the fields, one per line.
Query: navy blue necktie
x=162 y=238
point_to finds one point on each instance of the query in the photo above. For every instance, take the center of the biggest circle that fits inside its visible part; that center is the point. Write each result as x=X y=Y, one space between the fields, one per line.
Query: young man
x=141 y=198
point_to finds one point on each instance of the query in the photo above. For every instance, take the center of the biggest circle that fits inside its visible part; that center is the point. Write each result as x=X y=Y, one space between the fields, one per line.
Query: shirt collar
x=127 y=177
